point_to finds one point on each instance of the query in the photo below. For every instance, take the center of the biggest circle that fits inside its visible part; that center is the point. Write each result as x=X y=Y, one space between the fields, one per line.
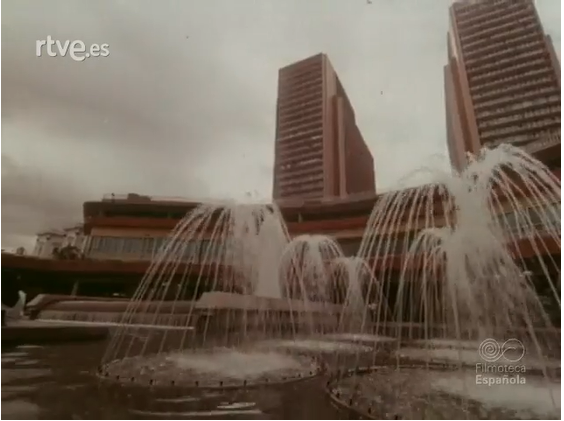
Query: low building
x=49 y=242
x=124 y=233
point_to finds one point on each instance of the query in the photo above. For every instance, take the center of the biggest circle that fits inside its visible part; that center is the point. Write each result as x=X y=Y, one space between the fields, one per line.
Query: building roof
x=54 y=232
x=61 y=231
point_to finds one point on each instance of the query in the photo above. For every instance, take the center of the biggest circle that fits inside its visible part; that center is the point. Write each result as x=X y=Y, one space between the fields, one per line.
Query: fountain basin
x=214 y=368
x=316 y=345
x=471 y=357
x=442 y=392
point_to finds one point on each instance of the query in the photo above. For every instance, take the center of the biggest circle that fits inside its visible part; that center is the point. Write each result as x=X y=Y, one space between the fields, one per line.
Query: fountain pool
x=477 y=265
x=420 y=393
x=213 y=368
x=466 y=258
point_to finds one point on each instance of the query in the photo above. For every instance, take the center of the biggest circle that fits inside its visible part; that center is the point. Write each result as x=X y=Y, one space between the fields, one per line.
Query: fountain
x=229 y=286
x=466 y=296
x=453 y=276
x=356 y=274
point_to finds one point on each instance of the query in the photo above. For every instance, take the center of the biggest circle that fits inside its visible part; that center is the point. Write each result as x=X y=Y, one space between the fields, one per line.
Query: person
x=16 y=312
x=10 y=293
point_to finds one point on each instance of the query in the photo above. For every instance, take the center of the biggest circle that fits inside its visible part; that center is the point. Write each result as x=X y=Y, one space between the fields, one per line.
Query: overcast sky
x=185 y=103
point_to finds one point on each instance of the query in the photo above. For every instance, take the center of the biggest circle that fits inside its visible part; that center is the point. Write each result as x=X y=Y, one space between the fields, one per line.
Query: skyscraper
x=502 y=80
x=319 y=150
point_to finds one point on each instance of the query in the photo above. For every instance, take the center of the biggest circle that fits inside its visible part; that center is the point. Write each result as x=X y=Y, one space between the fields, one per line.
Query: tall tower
x=502 y=80
x=319 y=150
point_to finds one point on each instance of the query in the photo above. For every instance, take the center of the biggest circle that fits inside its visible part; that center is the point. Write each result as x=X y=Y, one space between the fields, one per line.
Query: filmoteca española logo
x=491 y=351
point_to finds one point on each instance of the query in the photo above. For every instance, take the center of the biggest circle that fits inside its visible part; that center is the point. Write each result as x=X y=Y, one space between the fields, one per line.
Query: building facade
x=48 y=242
x=319 y=150
x=502 y=80
x=124 y=238
x=131 y=229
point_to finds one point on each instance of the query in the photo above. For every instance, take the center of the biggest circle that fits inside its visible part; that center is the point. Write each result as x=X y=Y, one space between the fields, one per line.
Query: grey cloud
x=33 y=200
x=184 y=105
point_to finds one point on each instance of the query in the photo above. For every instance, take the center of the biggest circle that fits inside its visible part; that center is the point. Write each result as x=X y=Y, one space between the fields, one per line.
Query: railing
x=531 y=142
x=146 y=248
x=139 y=198
x=358 y=197
x=136 y=198
x=543 y=143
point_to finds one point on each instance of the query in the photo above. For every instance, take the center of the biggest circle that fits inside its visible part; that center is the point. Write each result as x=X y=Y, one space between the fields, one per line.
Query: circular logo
x=490 y=350
x=515 y=348
x=511 y=350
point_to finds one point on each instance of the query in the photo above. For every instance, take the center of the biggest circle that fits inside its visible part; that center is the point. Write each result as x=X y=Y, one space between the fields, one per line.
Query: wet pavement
x=58 y=382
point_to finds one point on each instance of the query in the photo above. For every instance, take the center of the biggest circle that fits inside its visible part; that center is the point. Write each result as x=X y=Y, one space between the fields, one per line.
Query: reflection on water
x=56 y=382
x=246 y=413
x=420 y=393
x=19 y=410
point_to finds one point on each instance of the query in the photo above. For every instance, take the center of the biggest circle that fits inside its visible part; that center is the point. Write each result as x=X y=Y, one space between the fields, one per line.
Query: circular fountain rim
x=104 y=376
x=341 y=374
x=335 y=377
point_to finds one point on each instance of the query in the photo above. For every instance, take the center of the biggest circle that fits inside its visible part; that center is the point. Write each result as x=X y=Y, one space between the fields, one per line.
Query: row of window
x=302 y=122
x=144 y=248
x=290 y=135
x=506 y=35
x=524 y=99
x=510 y=84
x=534 y=113
x=525 y=41
x=542 y=125
x=549 y=217
x=309 y=95
x=552 y=139
x=519 y=19
x=304 y=162
x=300 y=72
x=516 y=68
x=521 y=140
x=299 y=145
x=298 y=113
x=147 y=248
x=298 y=180
x=550 y=101
x=505 y=53
x=299 y=154
x=303 y=188
x=501 y=46
x=293 y=91
x=305 y=105
x=508 y=61
x=470 y=14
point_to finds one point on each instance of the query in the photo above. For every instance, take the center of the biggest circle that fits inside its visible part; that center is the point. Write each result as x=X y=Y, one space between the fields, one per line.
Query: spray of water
x=223 y=247
x=466 y=259
x=229 y=277
x=304 y=266
x=476 y=247
x=352 y=276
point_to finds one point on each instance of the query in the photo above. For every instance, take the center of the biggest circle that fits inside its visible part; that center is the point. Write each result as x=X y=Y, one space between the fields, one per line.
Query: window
x=147 y=246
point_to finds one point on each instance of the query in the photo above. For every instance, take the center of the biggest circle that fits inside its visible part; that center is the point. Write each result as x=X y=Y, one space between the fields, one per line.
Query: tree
x=67 y=253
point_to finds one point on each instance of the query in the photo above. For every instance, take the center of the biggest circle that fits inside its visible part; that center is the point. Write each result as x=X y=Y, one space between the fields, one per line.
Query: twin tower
x=502 y=85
